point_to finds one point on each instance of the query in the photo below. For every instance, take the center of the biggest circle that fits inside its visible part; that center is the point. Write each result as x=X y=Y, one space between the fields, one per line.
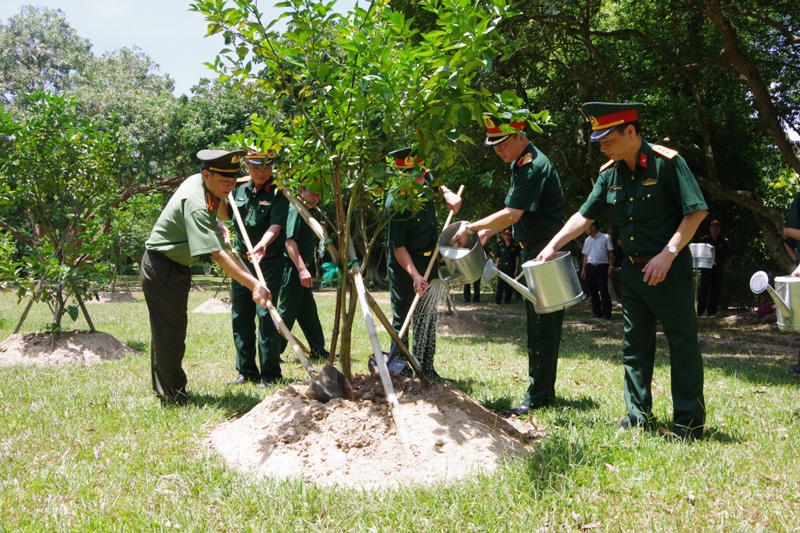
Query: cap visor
x=598 y=135
x=494 y=141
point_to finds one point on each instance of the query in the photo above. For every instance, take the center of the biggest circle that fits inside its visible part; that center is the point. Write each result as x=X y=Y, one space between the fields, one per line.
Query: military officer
x=297 y=297
x=411 y=239
x=654 y=198
x=263 y=209
x=535 y=211
x=185 y=230
x=507 y=262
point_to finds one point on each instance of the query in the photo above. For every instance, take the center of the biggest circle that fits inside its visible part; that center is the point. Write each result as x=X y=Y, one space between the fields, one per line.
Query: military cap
x=221 y=161
x=256 y=157
x=605 y=116
x=717 y=222
x=404 y=160
x=499 y=128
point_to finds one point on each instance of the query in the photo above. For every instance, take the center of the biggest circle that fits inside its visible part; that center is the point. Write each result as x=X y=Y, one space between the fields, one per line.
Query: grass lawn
x=89 y=448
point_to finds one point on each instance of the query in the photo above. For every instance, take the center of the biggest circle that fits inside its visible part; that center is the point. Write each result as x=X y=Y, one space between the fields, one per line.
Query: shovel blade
x=335 y=382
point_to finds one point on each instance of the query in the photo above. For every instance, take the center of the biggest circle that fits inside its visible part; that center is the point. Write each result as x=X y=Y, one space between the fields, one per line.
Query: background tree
x=59 y=170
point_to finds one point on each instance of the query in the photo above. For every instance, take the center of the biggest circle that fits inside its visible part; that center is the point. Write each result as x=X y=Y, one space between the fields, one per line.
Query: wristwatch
x=673 y=250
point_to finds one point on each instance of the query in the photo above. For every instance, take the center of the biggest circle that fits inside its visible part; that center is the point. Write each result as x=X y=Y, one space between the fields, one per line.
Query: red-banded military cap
x=221 y=161
x=605 y=116
x=404 y=160
x=500 y=127
x=715 y=221
x=256 y=157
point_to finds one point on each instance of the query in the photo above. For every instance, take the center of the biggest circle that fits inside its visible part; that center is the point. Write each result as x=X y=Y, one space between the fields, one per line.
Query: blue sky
x=165 y=30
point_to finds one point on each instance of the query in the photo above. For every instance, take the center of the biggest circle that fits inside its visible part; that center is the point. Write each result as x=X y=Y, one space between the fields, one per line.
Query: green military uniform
x=507 y=255
x=185 y=230
x=296 y=301
x=418 y=232
x=649 y=204
x=259 y=209
x=536 y=190
x=712 y=279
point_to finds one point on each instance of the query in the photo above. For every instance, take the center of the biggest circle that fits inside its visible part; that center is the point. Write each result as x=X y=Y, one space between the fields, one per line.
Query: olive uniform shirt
x=297 y=229
x=186 y=228
x=415 y=231
x=260 y=209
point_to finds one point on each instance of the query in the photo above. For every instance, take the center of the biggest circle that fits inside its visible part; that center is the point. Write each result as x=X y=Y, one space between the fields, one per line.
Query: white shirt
x=597 y=248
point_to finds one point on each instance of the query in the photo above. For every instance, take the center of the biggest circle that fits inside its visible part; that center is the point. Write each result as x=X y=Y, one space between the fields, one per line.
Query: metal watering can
x=551 y=285
x=786 y=296
x=465 y=264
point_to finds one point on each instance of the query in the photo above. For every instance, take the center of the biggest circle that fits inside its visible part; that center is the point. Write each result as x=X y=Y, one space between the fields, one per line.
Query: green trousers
x=401 y=292
x=244 y=315
x=544 y=341
x=297 y=304
x=671 y=303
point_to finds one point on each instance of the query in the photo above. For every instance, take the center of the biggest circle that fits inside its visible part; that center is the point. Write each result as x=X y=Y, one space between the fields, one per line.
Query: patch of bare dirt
x=463 y=322
x=355 y=444
x=214 y=306
x=111 y=297
x=70 y=347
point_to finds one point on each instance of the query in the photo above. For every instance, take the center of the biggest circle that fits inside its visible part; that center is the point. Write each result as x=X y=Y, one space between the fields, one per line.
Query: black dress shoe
x=516 y=411
x=267 y=382
x=241 y=380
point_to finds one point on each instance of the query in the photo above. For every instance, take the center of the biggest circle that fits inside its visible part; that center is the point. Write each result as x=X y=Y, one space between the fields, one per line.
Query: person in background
x=263 y=209
x=411 y=239
x=534 y=207
x=507 y=262
x=185 y=230
x=711 y=279
x=297 y=295
x=598 y=265
x=476 y=292
x=654 y=199
x=791 y=230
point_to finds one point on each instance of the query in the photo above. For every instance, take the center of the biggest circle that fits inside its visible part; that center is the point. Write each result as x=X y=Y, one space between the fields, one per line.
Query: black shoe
x=797 y=369
x=519 y=410
x=268 y=382
x=466 y=300
x=180 y=399
x=241 y=380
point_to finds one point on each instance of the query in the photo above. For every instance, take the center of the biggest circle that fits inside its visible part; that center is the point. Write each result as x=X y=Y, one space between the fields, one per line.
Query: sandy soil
x=356 y=444
x=70 y=347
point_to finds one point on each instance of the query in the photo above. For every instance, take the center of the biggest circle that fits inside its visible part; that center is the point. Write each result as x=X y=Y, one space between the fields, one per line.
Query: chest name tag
x=615 y=188
x=264 y=203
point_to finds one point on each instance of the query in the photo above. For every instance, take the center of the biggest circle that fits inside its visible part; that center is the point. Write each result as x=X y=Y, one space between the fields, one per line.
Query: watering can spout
x=783 y=306
x=759 y=282
x=491 y=271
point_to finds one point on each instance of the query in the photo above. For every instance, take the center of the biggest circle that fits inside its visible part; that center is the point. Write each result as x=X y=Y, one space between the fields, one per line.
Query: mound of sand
x=355 y=444
x=70 y=347
x=214 y=306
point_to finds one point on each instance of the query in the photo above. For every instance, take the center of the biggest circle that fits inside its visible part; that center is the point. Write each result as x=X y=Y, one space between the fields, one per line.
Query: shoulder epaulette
x=526 y=158
x=663 y=151
x=606 y=165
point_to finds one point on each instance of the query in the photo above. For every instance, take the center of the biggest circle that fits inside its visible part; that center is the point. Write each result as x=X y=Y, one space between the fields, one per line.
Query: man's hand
x=261 y=295
x=796 y=273
x=461 y=238
x=223 y=231
x=453 y=201
x=655 y=271
x=305 y=278
x=420 y=284
x=547 y=254
x=258 y=253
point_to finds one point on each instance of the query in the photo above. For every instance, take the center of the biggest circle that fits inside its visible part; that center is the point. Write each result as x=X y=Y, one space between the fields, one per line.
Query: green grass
x=89 y=448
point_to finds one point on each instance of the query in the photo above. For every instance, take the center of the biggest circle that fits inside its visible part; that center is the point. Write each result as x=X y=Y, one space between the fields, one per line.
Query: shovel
x=330 y=383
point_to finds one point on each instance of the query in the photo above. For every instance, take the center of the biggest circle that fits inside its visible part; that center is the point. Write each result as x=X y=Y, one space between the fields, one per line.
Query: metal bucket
x=464 y=264
x=553 y=284
x=703 y=255
x=787 y=288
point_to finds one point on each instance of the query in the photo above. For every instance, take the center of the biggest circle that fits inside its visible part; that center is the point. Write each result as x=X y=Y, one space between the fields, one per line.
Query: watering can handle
x=434 y=255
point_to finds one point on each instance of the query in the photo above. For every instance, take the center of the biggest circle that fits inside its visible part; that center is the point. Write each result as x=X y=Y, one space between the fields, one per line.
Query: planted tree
x=352 y=87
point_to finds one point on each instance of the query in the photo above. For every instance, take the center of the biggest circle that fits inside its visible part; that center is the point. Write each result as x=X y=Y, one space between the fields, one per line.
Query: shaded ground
x=355 y=444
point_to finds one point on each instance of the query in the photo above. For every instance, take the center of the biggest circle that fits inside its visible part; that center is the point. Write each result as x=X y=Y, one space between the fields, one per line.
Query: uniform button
x=631 y=218
x=648 y=196
x=631 y=199
x=631 y=238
